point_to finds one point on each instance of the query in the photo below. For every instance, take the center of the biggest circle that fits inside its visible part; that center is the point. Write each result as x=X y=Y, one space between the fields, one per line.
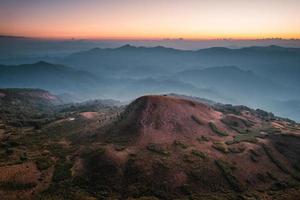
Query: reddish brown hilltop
x=189 y=147
x=162 y=119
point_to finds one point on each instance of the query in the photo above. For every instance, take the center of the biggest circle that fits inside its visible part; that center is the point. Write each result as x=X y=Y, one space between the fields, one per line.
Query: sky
x=151 y=19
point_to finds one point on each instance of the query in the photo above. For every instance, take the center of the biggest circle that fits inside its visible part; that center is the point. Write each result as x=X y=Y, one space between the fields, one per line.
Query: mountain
x=276 y=63
x=157 y=147
x=20 y=50
x=262 y=60
x=217 y=73
x=32 y=97
x=126 y=60
x=56 y=78
x=233 y=81
x=288 y=108
x=173 y=147
x=21 y=107
x=244 y=87
x=82 y=85
x=266 y=74
x=193 y=98
x=162 y=85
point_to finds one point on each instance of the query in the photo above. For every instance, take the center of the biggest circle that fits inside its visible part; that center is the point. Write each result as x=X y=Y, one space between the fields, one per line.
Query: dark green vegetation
x=254 y=155
x=199 y=154
x=220 y=146
x=276 y=161
x=158 y=149
x=227 y=170
x=236 y=149
x=216 y=130
x=281 y=165
x=247 y=137
x=27 y=107
x=202 y=139
x=240 y=125
x=180 y=144
x=43 y=163
x=289 y=146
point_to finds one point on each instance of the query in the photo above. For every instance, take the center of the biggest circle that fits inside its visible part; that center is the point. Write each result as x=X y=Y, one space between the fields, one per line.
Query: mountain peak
x=127 y=46
x=153 y=115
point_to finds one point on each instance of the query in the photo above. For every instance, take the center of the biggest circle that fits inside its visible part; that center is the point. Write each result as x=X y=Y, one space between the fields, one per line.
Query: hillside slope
x=181 y=147
x=157 y=147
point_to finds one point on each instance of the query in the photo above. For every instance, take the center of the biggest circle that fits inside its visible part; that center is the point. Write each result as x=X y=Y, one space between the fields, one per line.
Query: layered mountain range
x=261 y=77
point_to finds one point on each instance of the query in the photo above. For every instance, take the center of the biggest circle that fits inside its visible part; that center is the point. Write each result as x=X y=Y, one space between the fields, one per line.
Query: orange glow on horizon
x=161 y=36
x=151 y=20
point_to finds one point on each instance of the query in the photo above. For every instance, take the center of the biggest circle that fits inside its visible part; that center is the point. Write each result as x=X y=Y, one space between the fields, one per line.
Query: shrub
x=233 y=125
x=279 y=186
x=220 y=146
x=246 y=137
x=188 y=159
x=273 y=158
x=62 y=171
x=230 y=142
x=202 y=139
x=157 y=149
x=254 y=158
x=279 y=164
x=180 y=144
x=43 y=163
x=23 y=156
x=238 y=149
x=199 y=154
x=216 y=130
x=254 y=155
x=227 y=171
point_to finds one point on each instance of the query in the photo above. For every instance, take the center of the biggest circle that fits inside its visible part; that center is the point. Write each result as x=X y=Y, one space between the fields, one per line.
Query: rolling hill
x=56 y=78
x=267 y=75
x=261 y=60
x=235 y=82
x=157 y=147
x=169 y=147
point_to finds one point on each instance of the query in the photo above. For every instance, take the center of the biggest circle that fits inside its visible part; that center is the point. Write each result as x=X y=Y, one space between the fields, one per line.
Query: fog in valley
x=261 y=74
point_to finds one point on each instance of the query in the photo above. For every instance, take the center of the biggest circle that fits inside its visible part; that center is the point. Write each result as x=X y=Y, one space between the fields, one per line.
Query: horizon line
x=147 y=39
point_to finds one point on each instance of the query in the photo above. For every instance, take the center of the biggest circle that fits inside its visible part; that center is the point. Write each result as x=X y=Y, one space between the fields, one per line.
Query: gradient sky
x=151 y=19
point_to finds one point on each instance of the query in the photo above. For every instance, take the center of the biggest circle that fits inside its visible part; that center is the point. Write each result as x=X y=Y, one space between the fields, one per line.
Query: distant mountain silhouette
x=266 y=74
x=232 y=81
x=126 y=59
x=56 y=78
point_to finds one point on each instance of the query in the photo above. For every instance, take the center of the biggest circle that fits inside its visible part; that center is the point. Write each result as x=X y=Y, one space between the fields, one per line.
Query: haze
x=134 y=19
